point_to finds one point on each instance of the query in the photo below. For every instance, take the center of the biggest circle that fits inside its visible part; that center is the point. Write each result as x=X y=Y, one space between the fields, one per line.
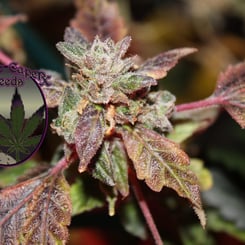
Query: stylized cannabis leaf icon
x=16 y=133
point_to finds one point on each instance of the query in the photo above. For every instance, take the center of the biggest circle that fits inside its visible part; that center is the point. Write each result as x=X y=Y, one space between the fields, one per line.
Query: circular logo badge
x=23 y=116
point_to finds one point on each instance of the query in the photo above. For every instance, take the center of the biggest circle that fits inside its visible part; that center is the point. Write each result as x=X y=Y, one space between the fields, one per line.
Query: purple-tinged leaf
x=231 y=92
x=95 y=17
x=36 y=211
x=160 y=162
x=158 y=66
x=89 y=134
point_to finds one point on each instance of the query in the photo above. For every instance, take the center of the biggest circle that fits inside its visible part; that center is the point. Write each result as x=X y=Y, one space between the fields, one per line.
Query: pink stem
x=5 y=59
x=63 y=164
x=210 y=101
x=145 y=209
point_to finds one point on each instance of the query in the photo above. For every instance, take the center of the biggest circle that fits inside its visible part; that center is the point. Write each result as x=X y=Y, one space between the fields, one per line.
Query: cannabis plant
x=117 y=127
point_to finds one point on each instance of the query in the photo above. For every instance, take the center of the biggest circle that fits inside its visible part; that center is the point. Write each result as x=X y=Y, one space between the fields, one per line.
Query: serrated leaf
x=158 y=66
x=160 y=162
x=111 y=167
x=68 y=115
x=89 y=134
x=36 y=211
x=17 y=114
x=54 y=91
x=231 y=91
x=99 y=18
x=82 y=199
x=73 y=52
x=129 y=83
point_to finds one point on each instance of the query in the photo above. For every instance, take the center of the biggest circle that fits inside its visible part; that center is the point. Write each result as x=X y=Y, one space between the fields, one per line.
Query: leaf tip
x=201 y=215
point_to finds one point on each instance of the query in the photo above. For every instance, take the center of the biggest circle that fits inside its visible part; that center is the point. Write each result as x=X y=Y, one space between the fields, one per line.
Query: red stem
x=210 y=101
x=145 y=209
x=4 y=59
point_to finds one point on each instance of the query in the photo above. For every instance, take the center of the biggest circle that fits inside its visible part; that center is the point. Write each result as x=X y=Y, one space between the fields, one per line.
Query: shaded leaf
x=54 y=91
x=89 y=134
x=158 y=66
x=228 y=198
x=160 y=162
x=83 y=198
x=132 y=220
x=9 y=176
x=231 y=91
x=17 y=114
x=156 y=112
x=36 y=211
x=98 y=18
x=111 y=167
x=5 y=129
x=183 y=131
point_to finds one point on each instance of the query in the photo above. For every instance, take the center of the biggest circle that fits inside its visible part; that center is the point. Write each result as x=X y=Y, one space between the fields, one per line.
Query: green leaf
x=160 y=162
x=156 y=113
x=218 y=224
x=89 y=135
x=83 y=198
x=72 y=51
x=132 y=220
x=111 y=167
x=36 y=211
x=203 y=174
x=17 y=114
x=9 y=176
x=158 y=66
x=32 y=141
x=182 y=131
x=132 y=82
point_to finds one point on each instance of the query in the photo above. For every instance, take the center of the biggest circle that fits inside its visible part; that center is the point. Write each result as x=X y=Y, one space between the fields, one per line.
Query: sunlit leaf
x=82 y=199
x=160 y=162
x=111 y=167
x=89 y=134
x=36 y=211
x=158 y=66
x=98 y=18
x=231 y=91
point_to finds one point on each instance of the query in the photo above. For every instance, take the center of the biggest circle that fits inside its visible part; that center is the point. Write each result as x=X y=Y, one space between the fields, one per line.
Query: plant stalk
x=145 y=209
x=200 y=104
x=4 y=59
